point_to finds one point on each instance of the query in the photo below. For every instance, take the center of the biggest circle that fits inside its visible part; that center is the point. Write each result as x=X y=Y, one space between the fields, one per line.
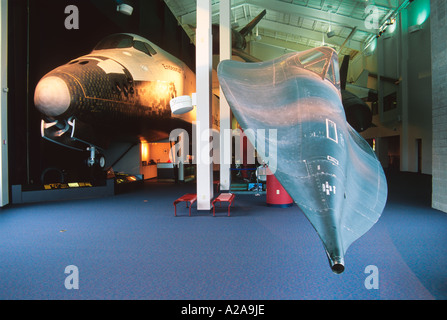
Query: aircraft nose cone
x=52 y=96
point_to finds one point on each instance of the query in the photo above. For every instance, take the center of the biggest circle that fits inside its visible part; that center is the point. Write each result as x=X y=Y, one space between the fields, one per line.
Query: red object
x=189 y=198
x=277 y=196
x=217 y=184
x=223 y=197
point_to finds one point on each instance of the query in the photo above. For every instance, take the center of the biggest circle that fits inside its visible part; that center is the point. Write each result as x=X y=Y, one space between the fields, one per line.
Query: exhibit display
x=328 y=169
x=122 y=89
x=237 y=151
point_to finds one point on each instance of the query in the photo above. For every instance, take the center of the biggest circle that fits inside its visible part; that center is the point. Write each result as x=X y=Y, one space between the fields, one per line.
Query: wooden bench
x=189 y=198
x=223 y=197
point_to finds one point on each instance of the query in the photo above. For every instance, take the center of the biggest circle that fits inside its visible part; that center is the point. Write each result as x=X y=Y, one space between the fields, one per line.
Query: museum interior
x=223 y=150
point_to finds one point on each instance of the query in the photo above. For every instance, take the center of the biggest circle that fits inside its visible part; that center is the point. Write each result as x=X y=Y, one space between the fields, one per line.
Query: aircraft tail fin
x=249 y=27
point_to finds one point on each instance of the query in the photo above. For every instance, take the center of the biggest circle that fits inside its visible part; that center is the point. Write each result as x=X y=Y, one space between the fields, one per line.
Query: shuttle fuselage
x=123 y=86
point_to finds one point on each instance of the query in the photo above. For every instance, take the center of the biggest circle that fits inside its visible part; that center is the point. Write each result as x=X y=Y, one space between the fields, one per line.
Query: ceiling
x=296 y=25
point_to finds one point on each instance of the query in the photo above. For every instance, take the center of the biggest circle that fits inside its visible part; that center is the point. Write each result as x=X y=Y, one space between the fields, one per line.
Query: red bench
x=189 y=198
x=223 y=197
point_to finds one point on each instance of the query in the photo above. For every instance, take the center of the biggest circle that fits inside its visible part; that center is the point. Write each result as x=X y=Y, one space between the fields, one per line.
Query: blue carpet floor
x=130 y=246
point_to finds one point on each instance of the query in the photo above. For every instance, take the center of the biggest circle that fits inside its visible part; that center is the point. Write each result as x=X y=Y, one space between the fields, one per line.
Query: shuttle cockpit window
x=122 y=41
x=139 y=45
x=151 y=50
x=115 y=41
x=144 y=47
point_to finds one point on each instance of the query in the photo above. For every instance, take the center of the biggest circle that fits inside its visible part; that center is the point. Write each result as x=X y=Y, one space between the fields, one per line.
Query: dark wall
x=39 y=42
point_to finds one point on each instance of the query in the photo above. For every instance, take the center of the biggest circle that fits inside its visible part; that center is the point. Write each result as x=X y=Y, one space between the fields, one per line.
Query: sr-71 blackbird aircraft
x=328 y=169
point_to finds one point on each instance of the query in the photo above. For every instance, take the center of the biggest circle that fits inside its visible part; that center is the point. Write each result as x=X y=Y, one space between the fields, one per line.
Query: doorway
x=419 y=154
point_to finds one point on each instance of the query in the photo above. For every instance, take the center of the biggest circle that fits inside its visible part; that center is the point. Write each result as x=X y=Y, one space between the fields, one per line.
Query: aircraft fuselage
x=321 y=161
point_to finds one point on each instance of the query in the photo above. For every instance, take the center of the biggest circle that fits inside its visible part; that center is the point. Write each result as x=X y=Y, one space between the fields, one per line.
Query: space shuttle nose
x=52 y=96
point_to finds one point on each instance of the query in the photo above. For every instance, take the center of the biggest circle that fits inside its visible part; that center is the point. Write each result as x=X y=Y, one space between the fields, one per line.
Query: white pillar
x=182 y=158
x=225 y=114
x=204 y=65
x=4 y=180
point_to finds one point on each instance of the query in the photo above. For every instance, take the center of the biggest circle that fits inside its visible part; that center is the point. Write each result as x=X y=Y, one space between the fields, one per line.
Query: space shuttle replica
x=127 y=88
x=328 y=169
x=123 y=89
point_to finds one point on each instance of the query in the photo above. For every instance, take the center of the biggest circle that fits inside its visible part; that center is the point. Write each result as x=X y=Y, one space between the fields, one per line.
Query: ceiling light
x=124 y=8
x=414 y=28
x=391 y=21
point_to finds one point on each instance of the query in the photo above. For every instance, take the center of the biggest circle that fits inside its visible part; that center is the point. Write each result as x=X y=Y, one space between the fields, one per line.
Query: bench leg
x=175 y=210
x=230 y=204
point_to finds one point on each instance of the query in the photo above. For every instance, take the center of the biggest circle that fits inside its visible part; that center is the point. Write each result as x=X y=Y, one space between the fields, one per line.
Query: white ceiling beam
x=282 y=44
x=311 y=13
x=190 y=18
x=313 y=35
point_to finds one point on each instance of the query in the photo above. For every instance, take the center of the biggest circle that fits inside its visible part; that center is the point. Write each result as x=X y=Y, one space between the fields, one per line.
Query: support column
x=204 y=66
x=225 y=113
x=182 y=157
x=4 y=180
x=439 y=111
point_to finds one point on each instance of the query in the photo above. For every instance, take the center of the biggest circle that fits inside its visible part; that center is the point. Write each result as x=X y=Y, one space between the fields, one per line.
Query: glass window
x=317 y=67
x=115 y=41
x=311 y=56
x=151 y=50
x=314 y=61
x=336 y=69
x=324 y=62
x=330 y=74
x=331 y=130
x=141 y=47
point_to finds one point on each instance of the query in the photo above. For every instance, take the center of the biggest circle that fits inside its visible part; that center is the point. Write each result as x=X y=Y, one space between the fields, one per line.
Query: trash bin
x=277 y=196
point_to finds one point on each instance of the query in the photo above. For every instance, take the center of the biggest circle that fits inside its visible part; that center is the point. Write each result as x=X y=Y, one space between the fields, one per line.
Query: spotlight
x=391 y=21
x=330 y=34
x=381 y=32
x=415 y=28
x=124 y=8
